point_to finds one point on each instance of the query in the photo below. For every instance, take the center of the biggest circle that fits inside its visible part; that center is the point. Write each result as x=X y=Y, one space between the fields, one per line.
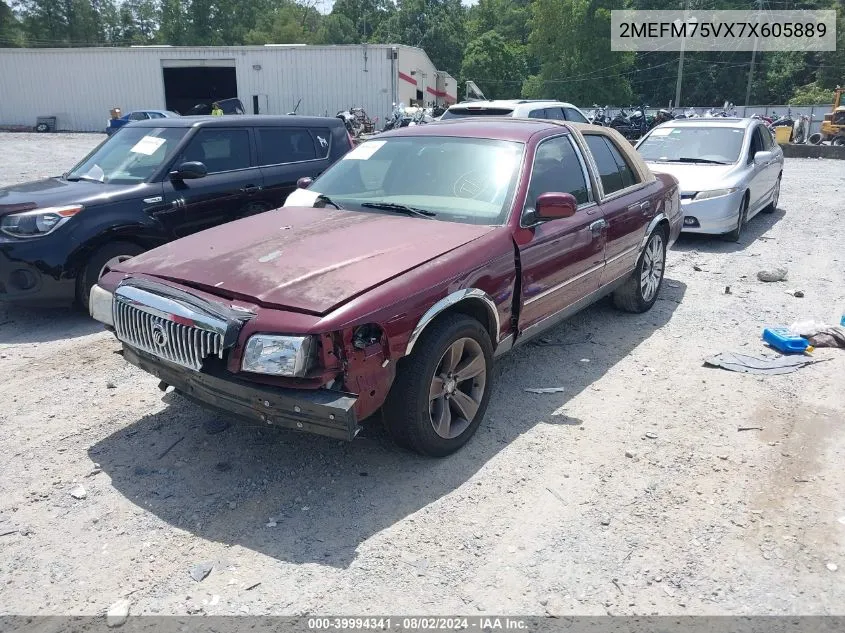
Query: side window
x=285 y=145
x=554 y=113
x=573 y=115
x=611 y=179
x=537 y=114
x=155 y=115
x=766 y=137
x=557 y=168
x=138 y=116
x=322 y=141
x=756 y=144
x=629 y=176
x=219 y=150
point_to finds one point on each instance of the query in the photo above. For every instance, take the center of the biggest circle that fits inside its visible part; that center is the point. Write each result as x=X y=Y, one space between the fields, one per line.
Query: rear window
x=458 y=113
x=285 y=145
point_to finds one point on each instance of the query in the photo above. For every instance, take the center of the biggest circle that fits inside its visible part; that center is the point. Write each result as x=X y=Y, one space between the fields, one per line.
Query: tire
x=411 y=413
x=734 y=235
x=839 y=141
x=773 y=205
x=42 y=127
x=94 y=268
x=815 y=139
x=635 y=295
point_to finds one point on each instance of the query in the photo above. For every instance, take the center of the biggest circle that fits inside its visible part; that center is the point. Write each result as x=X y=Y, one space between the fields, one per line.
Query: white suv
x=519 y=108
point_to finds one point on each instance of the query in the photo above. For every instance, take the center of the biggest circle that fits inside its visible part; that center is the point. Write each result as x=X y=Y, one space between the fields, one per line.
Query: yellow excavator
x=833 y=126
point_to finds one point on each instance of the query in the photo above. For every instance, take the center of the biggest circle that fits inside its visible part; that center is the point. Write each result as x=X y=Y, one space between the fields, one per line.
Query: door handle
x=598 y=225
x=251 y=189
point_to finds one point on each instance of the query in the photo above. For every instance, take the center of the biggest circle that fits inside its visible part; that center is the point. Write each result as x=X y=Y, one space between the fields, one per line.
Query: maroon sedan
x=392 y=281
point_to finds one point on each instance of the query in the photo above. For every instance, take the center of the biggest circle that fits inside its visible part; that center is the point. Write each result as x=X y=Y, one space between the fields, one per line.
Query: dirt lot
x=561 y=504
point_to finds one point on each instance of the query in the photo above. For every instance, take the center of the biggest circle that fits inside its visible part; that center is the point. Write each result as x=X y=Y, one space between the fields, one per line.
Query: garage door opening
x=192 y=89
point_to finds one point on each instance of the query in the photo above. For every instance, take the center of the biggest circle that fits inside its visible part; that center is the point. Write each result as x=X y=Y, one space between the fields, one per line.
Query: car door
x=626 y=202
x=773 y=166
x=561 y=259
x=758 y=174
x=228 y=192
x=287 y=154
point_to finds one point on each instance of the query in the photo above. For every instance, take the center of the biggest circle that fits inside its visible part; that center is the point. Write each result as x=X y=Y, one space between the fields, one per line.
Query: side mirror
x=189 y=171
x=304 y=182
x=555 y=205
x=761 y=158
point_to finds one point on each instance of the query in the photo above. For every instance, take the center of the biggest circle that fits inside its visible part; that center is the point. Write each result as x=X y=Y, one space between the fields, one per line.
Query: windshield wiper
x=401 y=208
x=88 y=178
x=701 y=160
x=326 y=200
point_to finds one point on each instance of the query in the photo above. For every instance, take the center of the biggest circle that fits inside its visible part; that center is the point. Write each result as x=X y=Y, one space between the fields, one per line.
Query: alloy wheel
x=114 y=261
x=457 y=388
x=652 y=270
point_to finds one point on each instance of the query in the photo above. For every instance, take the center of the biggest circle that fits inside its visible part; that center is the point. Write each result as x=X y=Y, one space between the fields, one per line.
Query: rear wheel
x=441 y=390
x=773 y=205
x=99 y=264
x=734 y=235
x=640 y=291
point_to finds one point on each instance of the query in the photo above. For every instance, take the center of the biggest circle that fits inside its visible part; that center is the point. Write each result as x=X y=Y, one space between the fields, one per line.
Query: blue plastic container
x=784 y=342
x=842 y=322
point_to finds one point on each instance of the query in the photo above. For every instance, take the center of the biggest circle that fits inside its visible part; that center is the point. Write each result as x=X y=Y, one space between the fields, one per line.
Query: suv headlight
x=714 y=193
x=37 y=222
x=278 y=355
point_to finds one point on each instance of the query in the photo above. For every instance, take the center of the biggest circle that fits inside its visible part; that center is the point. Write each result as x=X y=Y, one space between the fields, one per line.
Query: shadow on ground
x=42 y=325
x=755 y=230
x=328 y=497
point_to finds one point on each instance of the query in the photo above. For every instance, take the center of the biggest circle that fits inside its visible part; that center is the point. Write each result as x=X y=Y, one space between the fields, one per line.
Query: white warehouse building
x=79 y=86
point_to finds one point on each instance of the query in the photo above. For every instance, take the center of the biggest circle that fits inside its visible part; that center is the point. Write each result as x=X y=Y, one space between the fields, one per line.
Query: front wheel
x=441 y=390
x=734 y=235
x=640 y=290
x=99 y=264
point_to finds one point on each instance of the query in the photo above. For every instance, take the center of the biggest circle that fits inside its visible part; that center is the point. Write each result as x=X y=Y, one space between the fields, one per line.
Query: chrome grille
x=151 y=330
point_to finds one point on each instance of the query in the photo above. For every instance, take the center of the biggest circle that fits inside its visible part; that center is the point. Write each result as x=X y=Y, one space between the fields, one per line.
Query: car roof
x=711 y=122
x=242 y=120
x=513 y=103
x=497 y=128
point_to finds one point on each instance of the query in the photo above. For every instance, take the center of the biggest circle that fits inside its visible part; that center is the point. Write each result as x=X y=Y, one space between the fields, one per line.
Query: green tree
x=289 y=23
x=437 y=26
x=571 y=41
x=11 y=30
x=365 y=16
x=173 y=27
x=496 y=66
x=337 y=29
x=811 y=94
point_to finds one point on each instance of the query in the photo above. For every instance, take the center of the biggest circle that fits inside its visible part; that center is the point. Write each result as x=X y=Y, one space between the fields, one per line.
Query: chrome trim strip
x=549 y=291
x=164 y=307
x=555 y=318
x=448 y=301
x=624 y=253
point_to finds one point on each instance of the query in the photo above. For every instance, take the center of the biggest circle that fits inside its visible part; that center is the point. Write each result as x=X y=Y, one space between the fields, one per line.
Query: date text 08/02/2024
x=479 y=623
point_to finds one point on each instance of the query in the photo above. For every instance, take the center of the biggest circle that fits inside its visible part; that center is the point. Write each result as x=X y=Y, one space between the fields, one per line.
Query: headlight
x=37 y=222
x=278 y=355
x=100 y=305
x=714 y=193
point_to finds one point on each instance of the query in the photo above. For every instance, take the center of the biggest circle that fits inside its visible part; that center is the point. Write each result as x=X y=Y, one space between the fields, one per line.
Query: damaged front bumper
x=319 y=411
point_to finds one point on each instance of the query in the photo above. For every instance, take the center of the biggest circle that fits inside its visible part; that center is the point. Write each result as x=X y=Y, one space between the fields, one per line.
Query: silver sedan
x=728 y=169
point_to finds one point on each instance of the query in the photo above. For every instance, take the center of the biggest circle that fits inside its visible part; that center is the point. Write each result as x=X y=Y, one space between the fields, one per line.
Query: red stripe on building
x=407 y=78
x=441 y=93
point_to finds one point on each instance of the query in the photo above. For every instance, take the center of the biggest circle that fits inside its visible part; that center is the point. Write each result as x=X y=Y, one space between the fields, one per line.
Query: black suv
x=151 y=182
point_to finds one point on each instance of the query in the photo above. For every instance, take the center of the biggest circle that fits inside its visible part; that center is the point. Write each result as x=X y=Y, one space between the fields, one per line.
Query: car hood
x=300 y=258
x=697 y=177
x=53 y=192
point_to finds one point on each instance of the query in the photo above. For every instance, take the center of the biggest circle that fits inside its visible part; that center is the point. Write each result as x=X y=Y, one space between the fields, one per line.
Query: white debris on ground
x=633 y=491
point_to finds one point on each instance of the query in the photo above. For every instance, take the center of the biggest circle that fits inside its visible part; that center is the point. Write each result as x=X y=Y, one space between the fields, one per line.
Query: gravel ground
x=632 y=492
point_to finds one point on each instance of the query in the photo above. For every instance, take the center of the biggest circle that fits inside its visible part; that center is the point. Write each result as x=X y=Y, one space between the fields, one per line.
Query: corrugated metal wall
x=80 y=86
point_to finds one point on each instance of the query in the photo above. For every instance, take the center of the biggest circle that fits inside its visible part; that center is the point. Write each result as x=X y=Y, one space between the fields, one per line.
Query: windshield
x=131 y=156
x=693 y=144
x=460 y=113
x=467 y=180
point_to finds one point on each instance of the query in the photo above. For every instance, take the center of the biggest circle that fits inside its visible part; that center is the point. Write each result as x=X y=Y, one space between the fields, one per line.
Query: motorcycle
x=631 y=126
x=662 y=116
x=598 y=116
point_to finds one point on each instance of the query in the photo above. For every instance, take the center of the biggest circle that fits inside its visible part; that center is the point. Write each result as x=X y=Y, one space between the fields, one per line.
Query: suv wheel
x=640 y=290
x=441 y=390
x=98 y=265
